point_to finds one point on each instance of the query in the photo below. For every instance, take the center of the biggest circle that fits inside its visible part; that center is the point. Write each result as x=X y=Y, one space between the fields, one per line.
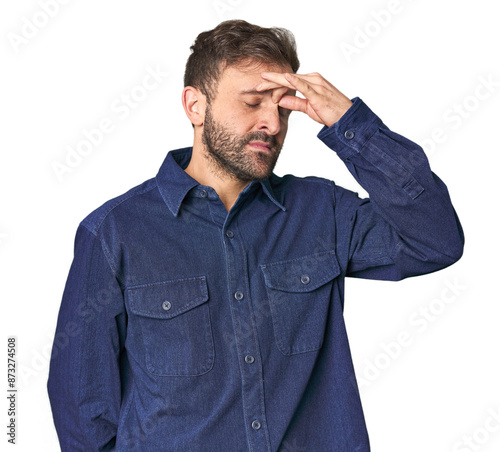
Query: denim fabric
x=185 y=327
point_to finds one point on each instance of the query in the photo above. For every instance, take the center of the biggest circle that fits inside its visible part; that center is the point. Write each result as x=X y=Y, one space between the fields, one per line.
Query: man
x=204 y=307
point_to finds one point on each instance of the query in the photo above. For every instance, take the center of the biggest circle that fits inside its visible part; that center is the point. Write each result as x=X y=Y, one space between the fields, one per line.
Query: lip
x=260 y=145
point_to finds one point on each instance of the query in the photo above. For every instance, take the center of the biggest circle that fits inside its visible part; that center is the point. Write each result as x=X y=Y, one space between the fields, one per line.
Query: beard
x=230 y=157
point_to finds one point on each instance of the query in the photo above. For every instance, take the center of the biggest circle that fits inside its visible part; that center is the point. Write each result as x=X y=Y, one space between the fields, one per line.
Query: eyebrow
x=255 y=92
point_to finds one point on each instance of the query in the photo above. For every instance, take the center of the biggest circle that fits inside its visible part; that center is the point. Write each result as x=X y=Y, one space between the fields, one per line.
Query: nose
x=269 y=120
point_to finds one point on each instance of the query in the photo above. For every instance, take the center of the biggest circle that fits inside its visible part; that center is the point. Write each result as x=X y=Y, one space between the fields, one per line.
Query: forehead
x=246 y=76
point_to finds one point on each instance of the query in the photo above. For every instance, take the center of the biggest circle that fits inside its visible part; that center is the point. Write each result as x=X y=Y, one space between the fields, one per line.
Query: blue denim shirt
x=185 y=327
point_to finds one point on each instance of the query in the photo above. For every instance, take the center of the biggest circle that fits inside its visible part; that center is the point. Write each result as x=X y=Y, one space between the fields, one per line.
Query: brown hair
x=231 y=43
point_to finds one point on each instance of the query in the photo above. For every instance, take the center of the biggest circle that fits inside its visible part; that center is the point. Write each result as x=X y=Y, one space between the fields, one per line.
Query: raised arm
x=408 y=225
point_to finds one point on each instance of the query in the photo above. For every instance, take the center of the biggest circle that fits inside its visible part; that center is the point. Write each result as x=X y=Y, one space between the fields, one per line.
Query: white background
x=65 y=75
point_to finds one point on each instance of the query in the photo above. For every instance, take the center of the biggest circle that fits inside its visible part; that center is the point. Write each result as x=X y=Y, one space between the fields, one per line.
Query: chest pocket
x=169 y=327
x=299 y=293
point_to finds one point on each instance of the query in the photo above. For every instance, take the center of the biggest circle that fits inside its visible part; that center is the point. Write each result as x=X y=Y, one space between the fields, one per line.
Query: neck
x=204 y=170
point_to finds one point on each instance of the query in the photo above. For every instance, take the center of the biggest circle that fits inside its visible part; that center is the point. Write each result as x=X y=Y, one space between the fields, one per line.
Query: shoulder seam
x=113 y=206
x=94 y=233
x=106 y=253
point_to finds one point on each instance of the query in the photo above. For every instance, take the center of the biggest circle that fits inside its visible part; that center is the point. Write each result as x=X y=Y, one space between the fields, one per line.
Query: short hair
x=230 y=44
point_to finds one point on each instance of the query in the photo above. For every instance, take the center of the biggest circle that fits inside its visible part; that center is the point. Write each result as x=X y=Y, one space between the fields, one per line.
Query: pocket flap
x=167 y=299
x=303 y=274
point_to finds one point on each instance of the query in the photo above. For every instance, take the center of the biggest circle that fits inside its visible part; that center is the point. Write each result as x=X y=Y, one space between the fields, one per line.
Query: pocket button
x=166 y=305
x=305 y=279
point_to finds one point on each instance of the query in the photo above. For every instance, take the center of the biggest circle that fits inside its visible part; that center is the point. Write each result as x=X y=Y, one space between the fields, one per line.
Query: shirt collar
x=174 y=183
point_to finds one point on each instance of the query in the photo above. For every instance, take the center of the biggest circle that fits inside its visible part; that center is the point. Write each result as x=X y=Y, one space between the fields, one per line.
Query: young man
x=204 y=307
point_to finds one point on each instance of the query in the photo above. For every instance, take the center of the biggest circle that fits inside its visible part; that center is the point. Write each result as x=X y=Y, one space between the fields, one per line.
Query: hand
x=323 y=102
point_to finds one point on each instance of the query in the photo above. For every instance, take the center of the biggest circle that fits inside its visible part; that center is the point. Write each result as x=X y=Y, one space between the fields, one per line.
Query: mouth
x=260 y=145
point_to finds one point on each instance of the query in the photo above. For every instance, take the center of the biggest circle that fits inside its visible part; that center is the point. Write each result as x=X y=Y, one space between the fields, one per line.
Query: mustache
x=261 y=136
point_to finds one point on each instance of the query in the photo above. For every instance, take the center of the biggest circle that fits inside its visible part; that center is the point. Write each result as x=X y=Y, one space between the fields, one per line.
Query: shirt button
x=230 y=234
x=349 y=134
x=304 y=279
x=249 y=359
x=238 y=295
x=203 y=193
x=166 y=305
x=256 y=425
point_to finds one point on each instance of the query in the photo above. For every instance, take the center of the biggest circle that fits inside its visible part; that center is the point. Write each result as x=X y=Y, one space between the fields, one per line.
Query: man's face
x=244 y=130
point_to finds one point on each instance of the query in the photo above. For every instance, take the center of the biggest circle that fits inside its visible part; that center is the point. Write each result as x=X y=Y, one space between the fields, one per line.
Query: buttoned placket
x=243 y=320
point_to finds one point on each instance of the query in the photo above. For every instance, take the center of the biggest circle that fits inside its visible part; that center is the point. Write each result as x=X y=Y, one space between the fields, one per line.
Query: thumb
x=293 y=103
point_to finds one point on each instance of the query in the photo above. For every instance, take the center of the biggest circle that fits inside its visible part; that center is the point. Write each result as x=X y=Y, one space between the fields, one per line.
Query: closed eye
x=252 y=105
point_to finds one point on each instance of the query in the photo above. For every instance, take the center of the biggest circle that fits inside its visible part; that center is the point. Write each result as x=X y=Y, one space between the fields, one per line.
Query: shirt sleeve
x=84 y=378
x=408 y=225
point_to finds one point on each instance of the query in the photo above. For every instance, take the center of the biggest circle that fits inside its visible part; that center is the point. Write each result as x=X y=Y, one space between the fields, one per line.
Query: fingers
x=301 y=85
x=273 y=80
x=278 y=93
x=293 y=103
x=306 y=84
x=278 y=89
x=276 y=79
x=322 y=101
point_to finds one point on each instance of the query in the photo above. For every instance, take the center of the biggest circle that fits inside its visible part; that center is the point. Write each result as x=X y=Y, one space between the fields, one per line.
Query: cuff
x=351 y=132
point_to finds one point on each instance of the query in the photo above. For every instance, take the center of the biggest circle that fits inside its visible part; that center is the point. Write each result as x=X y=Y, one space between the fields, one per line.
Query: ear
x=194 y=103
